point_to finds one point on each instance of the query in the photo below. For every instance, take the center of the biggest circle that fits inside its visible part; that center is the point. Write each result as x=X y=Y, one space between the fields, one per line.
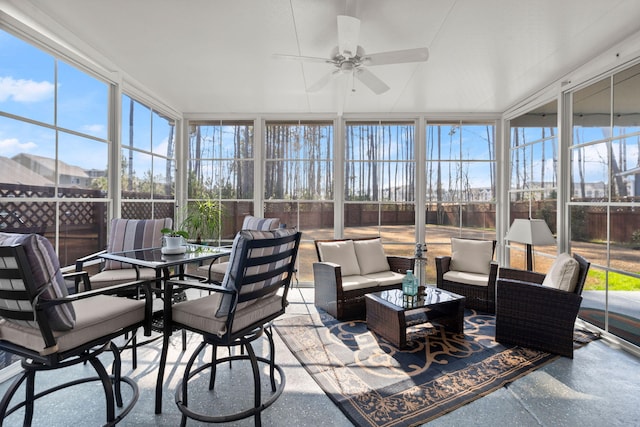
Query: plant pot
x=173 y=242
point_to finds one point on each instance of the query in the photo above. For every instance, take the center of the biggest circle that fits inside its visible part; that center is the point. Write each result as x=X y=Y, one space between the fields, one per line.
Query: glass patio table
x=167 y=266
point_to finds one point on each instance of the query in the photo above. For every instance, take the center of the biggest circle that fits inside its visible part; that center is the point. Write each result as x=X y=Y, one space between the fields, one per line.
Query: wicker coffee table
x=391 y=314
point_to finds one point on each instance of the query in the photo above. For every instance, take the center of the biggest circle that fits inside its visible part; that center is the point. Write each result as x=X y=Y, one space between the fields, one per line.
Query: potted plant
x=174 y=238
x=203 y=220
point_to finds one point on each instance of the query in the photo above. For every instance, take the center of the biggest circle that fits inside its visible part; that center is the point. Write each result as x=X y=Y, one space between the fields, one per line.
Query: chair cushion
x=115 y=277
x=95 y=317
x=47 y=277
x=215 y=271
x=472 y=256
x=563 y=273
x=261 y=224
x=341 y=252
x=371 y=256
x=475 y=279
x=199 y=313
x=235 y=260
x=130 y=234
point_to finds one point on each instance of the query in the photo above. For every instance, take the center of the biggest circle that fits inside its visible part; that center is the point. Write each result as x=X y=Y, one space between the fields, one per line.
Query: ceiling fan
x=350 y=58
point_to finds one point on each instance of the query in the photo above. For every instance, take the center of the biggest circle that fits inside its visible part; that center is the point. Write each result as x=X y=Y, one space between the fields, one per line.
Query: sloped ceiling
x=214 y=56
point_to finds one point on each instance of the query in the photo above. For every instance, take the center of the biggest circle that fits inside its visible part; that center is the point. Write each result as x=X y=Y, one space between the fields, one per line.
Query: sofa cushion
x=472 y=256
x=475 y=279
x=371 y=256
x=341 y=252
x=47 y=278
x=385 y=278
x=563 y=273
x=352 y=283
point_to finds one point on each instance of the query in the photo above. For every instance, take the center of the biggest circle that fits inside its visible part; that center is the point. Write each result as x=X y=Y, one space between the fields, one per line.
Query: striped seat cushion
x=131 y=234
x=47 y=278
x=262 y=224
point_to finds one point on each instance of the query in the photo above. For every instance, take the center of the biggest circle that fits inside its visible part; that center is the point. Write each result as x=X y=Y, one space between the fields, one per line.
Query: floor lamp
x=530 y=232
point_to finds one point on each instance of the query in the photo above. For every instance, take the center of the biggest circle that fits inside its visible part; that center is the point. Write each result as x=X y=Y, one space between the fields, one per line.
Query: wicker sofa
x=539 y=311
x=348 y=269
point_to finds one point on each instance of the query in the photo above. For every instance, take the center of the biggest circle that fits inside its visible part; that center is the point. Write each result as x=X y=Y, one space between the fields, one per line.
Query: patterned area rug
x=375 y=384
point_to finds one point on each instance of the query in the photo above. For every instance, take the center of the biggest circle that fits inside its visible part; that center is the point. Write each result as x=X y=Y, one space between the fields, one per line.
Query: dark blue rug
x=375 y=384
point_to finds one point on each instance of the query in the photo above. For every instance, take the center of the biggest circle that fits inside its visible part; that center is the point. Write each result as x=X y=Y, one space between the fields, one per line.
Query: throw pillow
x=472 y=256
x=563 y=273
x=263 y=224
x=47 y=278
x=371 y=256
x=340 y=252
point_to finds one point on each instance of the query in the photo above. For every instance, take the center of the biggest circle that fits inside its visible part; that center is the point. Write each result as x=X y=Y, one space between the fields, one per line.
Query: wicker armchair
x=535 y=316
x=477 y=286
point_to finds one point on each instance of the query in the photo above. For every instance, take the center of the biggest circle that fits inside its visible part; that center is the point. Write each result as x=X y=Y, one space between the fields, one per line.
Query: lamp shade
x=531 y=232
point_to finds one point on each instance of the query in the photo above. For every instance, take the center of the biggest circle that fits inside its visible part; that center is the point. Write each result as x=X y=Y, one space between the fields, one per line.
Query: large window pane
x=78 y=91
x=27 y=80
x=590 y=172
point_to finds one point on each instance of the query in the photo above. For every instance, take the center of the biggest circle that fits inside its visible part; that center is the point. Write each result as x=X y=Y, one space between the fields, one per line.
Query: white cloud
x=12 y=146
x=93 y=128
x=25 y=90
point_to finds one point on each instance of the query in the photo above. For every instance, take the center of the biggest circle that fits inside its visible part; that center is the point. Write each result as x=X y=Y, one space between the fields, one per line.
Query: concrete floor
x=600 y=386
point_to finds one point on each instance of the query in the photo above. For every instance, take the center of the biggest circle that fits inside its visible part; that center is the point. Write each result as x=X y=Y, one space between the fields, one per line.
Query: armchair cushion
x=47 y=277
x=563 y=273
x=340 y=252
x=370 y=255
x=130 y=234
x=474 y=279
x=472 y=256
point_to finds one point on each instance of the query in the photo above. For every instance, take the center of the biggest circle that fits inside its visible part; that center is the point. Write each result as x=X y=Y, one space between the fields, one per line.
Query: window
x=379 y=182
x=533 y=189
x=460 y=193
x=220 y=167
x=299 y=182
x=148 y=164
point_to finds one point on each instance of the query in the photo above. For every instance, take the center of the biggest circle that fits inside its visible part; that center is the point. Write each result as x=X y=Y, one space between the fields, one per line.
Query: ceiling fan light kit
x=349 y=58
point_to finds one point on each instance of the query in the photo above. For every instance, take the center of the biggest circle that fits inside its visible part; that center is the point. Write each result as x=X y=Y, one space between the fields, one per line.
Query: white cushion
x=342 y=253
x=563 y=273
x=467 y=278
x=351 y=283
x=385 y=278
x=472 y=256
x=371 y=257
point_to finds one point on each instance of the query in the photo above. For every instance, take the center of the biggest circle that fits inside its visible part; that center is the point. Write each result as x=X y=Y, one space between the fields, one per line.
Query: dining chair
x=237 y=313
x=50 y=329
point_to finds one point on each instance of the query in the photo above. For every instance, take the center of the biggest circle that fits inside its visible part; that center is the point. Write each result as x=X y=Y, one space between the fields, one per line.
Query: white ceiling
x=215 y=56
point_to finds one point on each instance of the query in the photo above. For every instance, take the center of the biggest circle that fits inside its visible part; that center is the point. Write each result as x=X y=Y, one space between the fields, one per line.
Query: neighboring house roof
x=12 y=172
x=49 y=163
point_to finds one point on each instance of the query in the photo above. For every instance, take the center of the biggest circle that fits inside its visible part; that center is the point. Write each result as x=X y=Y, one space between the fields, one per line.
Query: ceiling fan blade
x=420 y=54
x=371 y=81
x=322 y=82
x=302 y=58
x=348 y=34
